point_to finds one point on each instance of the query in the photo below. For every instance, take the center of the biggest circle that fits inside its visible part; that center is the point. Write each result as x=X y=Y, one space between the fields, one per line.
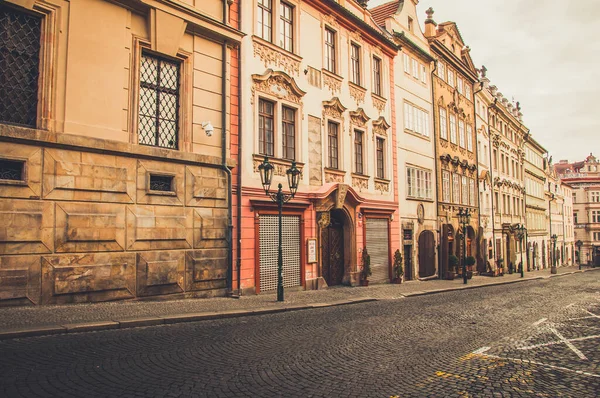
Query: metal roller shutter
x=269 y=241
x=378 y=248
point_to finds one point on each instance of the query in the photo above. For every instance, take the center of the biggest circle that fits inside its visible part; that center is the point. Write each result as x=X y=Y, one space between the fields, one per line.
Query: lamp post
x=579 y=243
x=464 y=217
x=553 y=240
x=521 y=230
x=293 y=175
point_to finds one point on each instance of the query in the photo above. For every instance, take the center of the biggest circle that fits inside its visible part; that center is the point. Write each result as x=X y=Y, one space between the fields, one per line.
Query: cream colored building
x=555 y=196
x=536 y=204
x=415 y=144
x=115 y=153
x=316 y=78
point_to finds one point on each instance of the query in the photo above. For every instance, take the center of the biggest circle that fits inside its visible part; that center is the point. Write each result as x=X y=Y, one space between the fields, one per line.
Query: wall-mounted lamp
x=208 y=128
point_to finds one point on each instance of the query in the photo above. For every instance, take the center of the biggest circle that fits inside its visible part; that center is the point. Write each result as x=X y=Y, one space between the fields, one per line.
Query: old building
x=584 y=179
x=455 y=137
x=115 y=157
x=555 y=198
x=536 y=205
x=316 y=84
x=507 y=139
x=414 y=117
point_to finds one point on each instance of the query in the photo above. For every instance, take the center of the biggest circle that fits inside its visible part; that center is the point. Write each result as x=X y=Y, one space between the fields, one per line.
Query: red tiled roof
x=384 y=11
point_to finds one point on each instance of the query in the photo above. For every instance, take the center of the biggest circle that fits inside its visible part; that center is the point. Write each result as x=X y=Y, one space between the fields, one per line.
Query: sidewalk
x=43 y=320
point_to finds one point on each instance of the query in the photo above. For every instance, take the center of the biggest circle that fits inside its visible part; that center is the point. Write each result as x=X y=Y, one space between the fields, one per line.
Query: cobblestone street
x=539 y=338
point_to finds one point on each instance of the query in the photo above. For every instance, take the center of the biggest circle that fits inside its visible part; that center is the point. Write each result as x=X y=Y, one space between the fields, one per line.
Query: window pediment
x=333 y=108
x=278 y=84
x=381 y=126
x=359 y=118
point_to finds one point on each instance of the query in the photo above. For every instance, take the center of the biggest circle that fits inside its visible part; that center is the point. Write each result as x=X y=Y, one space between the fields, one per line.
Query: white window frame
x=419 y=183
x=445 y=186
x=470 y=138
x=443 y=123
x=461 y=133
x=453 y=128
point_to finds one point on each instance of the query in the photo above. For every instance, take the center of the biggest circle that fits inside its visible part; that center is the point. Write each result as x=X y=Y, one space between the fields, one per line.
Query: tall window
x=468 y=90
x=423 y=74
x=332 y=132
x=450 y=77
x=418 y=182
x=495 y=159
x=380 y=160
x=471 y=192
x=465 y=191
x=595 y=216
x=406 y=63
x=459 y=84
x=286 y=27
x=470 y=139
x=19 y=66
x=453 y=128
x=442 y=70
x=355 y=63
x=288 y=124
x=159 y=102
x=330 y=50
x=443 y=124
x=455 y=188
x=264 y=20
x=358 y=152
x=376 y=76
x=416 y=120
x=594 y=196
x=415 y=68
x=445 y=186
x=266 y=113
x=461 y=133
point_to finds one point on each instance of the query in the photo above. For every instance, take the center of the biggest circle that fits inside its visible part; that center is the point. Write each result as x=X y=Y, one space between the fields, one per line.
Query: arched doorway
x=426 y=254
x=332 y=240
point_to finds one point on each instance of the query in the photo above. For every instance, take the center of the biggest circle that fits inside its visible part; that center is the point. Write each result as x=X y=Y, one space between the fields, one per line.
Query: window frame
x=377 y=76
x=285 y=147
x=359 y=159
x=261 y=10
x=453 y=131
x=419 y=183
x=261 y=147
x=380 y=169
x=355 y=64
x=446 y=186
x=330 y=50
x=330 y=147
x=444 y=126
x=284 y=22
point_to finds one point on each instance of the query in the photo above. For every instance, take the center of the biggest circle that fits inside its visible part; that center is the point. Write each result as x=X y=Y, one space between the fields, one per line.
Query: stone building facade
x=116 y=122
x=456 y=137
x=584 y=179
x=316 y=84
x=414 y=116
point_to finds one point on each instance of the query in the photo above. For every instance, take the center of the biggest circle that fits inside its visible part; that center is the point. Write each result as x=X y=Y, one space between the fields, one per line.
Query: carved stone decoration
x=382 y=186
x=358 y=93
x=278 y=84
x=335 y=85
x=333 y=109
x=279 y=169
x=330 y=20
x=380 y=126
x=379 y=103
x=324 y=219
x=340 y=197
x=444 y=143
x=276 y=58
x=360 y=183
x=358 y=118
x=420 y=213
x=333 y=177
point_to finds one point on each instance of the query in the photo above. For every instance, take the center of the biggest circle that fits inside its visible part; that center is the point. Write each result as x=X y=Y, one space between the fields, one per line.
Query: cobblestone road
x=530 y=339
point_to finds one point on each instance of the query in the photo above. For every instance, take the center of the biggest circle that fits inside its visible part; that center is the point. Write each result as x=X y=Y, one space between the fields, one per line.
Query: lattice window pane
x=269 y=247
x=159 y=102
x=19 y=66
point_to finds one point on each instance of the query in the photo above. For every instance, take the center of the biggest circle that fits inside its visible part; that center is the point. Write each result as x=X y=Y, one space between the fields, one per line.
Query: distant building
x=584 y=179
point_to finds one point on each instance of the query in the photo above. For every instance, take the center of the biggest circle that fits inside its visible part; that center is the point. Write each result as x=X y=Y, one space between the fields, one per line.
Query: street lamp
x=464 y=217
x=553 y=240
x=579 y=243
x=293 y=175
x=521 y=230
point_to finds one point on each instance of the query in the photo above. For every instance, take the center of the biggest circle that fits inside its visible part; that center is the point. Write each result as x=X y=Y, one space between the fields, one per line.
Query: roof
x=386 y=10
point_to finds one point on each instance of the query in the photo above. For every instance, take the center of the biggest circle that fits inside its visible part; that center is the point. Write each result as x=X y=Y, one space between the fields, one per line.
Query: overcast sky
x=545 y=54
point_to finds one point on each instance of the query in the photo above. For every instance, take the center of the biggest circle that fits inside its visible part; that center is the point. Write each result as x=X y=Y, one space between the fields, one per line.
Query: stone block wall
x=84 y=226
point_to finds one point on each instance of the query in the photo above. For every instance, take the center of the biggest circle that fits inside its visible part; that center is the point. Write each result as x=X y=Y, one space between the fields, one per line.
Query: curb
x=467 y=287
x=128 y=323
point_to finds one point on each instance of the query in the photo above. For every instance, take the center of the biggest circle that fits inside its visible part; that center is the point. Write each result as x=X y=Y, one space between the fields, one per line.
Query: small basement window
x=12 y=170
x=161 y=183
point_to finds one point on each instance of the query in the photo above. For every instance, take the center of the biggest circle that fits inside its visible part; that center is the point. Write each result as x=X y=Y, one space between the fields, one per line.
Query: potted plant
x=470 y=261
x=366 y=268
x=453 y=263
x=398 y=270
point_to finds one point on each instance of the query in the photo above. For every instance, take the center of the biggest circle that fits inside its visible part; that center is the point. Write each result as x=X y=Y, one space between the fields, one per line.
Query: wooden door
x=333 y=254
x=426 y=254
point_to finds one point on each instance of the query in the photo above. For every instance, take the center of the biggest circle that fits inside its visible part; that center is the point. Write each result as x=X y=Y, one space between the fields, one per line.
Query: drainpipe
x=224 y=166
x=492 y=181
x=240 y=164
x=437 y=187
x=525 y=203
x=477 y=176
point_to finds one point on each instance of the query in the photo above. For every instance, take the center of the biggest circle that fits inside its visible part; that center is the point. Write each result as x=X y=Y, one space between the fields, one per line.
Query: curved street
x=539 y=338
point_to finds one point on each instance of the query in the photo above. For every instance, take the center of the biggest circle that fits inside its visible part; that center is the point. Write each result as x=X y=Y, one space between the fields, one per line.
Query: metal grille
x=19 y=66
x=161 y=183
x=11 y=170
x=268 y=251
x=377 y=246
x=159 y=102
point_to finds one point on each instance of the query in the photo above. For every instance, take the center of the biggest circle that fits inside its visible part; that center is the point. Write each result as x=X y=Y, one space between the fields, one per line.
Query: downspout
x=525 y=202
x=239 y=181
x=224 y=165
x=492 y=181
x=435 y=154
x=477 y=176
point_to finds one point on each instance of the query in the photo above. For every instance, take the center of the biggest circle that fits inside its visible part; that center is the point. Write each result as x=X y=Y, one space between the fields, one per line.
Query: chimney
x=363 y=3
x=430 y=25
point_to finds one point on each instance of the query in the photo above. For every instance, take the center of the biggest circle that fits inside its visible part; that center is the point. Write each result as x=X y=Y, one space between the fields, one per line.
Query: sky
x=544 y=54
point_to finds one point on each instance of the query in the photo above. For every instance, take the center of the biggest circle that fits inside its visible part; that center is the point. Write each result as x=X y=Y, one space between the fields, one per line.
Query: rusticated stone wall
x=83 y=225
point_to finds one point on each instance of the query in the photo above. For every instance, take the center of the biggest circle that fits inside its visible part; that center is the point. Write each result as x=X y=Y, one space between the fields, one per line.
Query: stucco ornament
x=278 y=84
x=359 y=118
x=358 y=93
x=335 y=85
x=333 y=109
x=382 y=186
x=380 y=126
x=360 y=182
x=276 y=58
